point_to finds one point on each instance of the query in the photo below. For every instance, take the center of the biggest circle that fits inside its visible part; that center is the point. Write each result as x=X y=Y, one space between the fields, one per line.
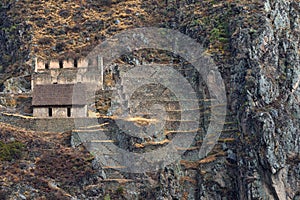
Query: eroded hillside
x=34 y=162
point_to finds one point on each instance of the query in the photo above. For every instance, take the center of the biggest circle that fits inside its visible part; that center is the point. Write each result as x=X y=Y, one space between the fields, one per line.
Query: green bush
x=11 y=151
x=107 y=197
x=120 y=190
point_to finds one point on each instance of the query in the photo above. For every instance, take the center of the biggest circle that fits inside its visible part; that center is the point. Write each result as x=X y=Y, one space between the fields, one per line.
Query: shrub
x=11 y=151
x=120 y=190
x=107 y=197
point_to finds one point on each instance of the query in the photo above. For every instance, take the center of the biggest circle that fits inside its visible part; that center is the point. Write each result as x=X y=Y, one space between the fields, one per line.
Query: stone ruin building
x=57 y=100
x=59 y=87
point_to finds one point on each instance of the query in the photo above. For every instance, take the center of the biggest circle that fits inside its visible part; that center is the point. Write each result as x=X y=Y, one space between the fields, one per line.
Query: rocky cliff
x=255 y=45
x=266 y=76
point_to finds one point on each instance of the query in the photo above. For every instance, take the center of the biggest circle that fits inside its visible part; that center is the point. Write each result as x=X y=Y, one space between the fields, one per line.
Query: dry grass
x=152 y=143
x=46 y=158
x=72 y=28
x=76 y=26
x=196 y=164
x=190 y=164
x=187 y=179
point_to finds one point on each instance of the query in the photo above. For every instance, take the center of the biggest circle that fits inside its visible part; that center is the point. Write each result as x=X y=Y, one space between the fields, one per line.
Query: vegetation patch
x=11 y=151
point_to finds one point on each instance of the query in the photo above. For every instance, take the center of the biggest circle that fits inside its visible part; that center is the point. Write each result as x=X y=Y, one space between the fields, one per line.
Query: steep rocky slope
x=266 y=76
x=15 y=41
x=33 y=163
x=255 y=44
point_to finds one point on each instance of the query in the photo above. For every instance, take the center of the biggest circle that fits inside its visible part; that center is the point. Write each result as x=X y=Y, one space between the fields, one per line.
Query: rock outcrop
x=266 y=78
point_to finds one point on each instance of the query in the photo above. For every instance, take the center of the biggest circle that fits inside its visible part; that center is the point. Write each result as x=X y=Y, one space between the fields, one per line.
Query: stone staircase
x=95 y=140
x=131 y=100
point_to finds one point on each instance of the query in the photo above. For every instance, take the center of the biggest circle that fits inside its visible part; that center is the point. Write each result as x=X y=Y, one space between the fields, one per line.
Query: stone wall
x=56 y=64
x=59 y=76
x=45 y=124
x=66 y=76
x=60 y=112
x=79 y=111
x=67 y=71
x=40 y=112
x=41 y=78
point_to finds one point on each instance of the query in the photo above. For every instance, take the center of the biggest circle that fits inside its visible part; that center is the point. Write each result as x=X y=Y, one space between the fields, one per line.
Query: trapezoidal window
x=46 y=65
x=69 y=112
x=50 y=112
x=75 y=63
x=61 y=64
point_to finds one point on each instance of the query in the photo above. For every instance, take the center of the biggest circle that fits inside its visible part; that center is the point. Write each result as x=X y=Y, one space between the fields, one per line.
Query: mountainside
x=43 y=160
x=255 y=45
